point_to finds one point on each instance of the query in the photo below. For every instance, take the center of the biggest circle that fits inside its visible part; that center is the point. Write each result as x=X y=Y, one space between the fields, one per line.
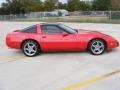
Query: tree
x=49 y=5
x=84 y=6
x=3 y=11
x=31 y=5
x=61 y=5
x=115 y=4
x=12 y=7
x=21 y=6
x=101 y=5
x=73 y=5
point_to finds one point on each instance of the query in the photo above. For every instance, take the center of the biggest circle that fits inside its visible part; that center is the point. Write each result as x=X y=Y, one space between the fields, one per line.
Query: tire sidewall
x=37 y=46
x=90 y=44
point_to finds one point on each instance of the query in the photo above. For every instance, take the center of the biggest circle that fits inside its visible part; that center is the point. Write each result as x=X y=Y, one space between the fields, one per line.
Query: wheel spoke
x=33 y=51
x=97 y=47
x=98 y=43
x=93 y=45
x=30 y=49
x=28 y=45
x=27 y=49
x=98 y=50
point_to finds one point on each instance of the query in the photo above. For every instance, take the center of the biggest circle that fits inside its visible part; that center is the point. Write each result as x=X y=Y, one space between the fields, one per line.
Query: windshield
x=68 y=29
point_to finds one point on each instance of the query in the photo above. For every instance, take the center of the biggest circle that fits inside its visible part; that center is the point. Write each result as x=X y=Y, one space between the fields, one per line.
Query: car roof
x=50 y=23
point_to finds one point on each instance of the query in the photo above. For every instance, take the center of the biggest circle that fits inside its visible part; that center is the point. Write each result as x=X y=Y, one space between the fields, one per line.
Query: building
x=60 y=12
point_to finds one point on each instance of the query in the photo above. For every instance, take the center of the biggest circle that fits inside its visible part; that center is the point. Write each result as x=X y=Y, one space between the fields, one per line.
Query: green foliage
x=76 y=5
x=115 y=5
x=31 y=5
x=101 y=5
x=49 y=5
x=12 y=7
x=26 y=6
x=84 y=6
x=61 y=5
x=21 y=6
x=73 y=5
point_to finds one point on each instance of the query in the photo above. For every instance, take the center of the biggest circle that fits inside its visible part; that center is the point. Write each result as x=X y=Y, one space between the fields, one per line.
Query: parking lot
x=59 y=71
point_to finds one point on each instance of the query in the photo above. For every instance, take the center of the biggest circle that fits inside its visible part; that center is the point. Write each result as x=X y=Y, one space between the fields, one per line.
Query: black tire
x=36 y=48
x=92 y=48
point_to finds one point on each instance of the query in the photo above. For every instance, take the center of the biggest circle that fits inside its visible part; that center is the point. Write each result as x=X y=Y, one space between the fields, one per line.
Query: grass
x=79 y=19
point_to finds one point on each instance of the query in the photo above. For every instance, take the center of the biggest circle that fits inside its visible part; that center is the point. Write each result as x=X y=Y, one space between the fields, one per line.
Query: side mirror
x=64 y=34
x=76 y=30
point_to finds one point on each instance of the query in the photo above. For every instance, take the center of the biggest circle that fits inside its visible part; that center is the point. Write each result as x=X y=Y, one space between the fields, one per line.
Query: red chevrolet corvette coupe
x=49 y=37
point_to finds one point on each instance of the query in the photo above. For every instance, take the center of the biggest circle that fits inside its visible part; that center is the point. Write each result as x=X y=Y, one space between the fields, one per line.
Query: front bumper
x=113 y=44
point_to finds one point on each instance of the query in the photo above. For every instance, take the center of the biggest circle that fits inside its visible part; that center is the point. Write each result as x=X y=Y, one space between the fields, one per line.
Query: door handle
x=43 y=36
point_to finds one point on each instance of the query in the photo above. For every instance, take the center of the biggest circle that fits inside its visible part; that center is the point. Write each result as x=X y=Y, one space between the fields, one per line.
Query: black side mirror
x=76 y=30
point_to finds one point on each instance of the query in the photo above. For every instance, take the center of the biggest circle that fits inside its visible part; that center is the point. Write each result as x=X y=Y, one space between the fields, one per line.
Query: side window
x=51 y=29
x=32 y=29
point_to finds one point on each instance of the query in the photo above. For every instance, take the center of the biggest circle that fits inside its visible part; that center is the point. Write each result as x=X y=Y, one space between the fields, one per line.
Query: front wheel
x=30 y=48
x=97 y=47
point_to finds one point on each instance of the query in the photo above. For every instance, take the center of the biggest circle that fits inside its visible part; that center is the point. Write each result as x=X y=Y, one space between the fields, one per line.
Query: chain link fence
x=27 y=16
x=77 y=16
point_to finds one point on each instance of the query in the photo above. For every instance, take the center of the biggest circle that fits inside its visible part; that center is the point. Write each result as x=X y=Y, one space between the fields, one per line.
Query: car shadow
x=113 y=51
x=20 y=53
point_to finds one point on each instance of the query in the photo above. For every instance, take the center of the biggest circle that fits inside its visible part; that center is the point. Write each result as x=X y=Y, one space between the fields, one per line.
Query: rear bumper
x=12 y=43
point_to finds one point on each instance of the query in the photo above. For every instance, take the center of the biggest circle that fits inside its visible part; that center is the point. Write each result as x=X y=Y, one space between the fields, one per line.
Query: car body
x=51 y=37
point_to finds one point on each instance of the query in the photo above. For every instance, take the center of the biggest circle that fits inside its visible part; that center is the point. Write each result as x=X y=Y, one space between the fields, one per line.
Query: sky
x=1 y=1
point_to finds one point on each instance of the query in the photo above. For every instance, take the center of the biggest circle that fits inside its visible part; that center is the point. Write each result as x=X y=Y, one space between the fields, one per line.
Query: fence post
x=110 y=17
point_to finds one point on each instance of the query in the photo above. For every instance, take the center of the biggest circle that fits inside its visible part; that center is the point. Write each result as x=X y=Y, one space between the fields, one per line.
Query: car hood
x=81 y=31
x=95 y=34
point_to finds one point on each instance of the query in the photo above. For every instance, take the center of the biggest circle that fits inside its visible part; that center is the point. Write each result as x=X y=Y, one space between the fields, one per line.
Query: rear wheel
x=97 y=47
x=30 y=48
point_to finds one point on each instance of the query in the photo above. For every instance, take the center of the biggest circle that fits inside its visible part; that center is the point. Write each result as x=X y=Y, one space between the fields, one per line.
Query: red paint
x=60 y=42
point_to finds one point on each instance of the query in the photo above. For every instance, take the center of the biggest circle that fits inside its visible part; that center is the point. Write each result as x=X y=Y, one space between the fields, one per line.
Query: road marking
x=90 y=81
x=11 y=59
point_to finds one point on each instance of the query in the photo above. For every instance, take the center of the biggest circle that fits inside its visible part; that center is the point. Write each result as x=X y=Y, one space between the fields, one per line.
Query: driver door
x=54 y=38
